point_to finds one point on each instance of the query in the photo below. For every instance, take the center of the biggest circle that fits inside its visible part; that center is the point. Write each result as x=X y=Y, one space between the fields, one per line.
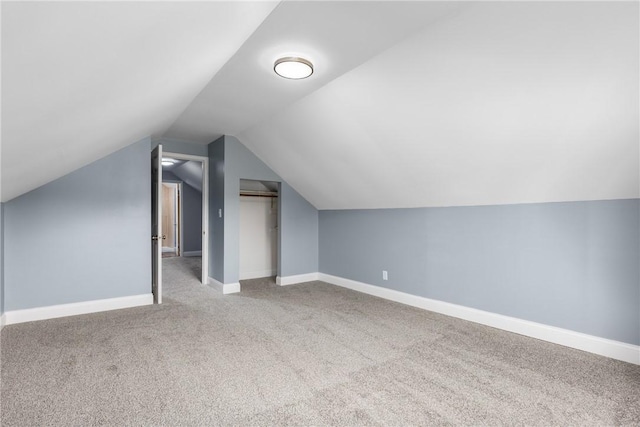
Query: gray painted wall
x=191 y=173
x=168 y=176
x=216 y=203
x=572 y=265
x=100 y=214
x=191 y=218
x=182 y=147
x=87 y=234
x=298 y=234
x=298 y=220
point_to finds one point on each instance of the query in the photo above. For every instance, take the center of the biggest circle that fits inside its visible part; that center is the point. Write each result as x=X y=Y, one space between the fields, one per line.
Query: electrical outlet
x=385 y=276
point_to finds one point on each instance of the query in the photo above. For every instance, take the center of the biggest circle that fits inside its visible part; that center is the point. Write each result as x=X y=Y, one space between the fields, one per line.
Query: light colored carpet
x=310 y=354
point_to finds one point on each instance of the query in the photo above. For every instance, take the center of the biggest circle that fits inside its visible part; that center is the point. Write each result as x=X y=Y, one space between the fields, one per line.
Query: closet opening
x=258 y=229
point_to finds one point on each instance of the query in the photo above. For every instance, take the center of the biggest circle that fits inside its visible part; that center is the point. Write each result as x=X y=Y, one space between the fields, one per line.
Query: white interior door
x=156 y=224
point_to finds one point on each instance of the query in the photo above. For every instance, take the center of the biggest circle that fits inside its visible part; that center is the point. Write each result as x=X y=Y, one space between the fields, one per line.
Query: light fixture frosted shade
x=292 y=67
x=167 y=161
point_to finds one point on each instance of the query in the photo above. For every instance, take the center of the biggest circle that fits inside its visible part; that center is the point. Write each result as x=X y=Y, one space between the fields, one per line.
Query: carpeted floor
x=310 y=354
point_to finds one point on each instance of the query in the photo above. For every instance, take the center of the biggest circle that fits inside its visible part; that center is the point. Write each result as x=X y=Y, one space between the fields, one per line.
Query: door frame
x=205 y=207
x=180 y=227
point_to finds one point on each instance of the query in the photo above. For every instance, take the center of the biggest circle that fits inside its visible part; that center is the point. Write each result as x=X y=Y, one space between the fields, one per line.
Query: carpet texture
x=309 y=354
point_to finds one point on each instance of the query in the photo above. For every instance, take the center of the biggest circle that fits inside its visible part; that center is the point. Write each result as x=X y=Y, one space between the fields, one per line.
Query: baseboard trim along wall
x=192 y=253
x=257 y=274
x=3 y=320
x=601 y=346
x=74 y=309
x=225 y=288
x=292 y=280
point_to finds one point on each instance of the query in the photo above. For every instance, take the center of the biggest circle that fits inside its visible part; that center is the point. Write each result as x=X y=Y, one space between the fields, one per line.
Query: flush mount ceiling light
x=293 y=67
x=167 y=161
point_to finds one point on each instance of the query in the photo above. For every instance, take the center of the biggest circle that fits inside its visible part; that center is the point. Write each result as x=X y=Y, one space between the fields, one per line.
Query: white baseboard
x=167 y=249
x=73 y=309
x=3 y=320
x=257 y=274
x=192 y=253
x=300 y=278
x=602 y=346
x=225 y=288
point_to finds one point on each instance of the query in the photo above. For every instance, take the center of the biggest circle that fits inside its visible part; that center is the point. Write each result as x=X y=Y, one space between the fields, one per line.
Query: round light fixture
x=167 y=161
x=293 y=67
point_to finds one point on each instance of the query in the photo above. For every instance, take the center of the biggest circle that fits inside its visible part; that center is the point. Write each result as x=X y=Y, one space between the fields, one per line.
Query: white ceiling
x=81 y=80
x=411 y=104
x=502 y=103
x=335 y=36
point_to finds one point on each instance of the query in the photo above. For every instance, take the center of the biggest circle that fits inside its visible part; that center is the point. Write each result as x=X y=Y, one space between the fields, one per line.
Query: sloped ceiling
x=335 y=36
x=81 y=80
x=501 y=103
x=411 y=103
x=191 y=173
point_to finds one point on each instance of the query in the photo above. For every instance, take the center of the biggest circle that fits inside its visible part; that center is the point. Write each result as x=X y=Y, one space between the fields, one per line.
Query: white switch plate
x=219 y=213
x=385 y=276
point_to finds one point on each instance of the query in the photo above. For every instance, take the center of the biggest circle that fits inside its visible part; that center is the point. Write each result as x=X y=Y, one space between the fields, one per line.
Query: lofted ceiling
x=189 y=172
x=411 y=103
x=81 y=80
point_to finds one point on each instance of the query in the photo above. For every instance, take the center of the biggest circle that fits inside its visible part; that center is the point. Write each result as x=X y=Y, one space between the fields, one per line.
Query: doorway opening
x=258 y=229
x=179 y=211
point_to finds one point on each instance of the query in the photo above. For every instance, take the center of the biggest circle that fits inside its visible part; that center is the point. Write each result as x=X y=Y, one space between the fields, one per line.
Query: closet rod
x=242 y=194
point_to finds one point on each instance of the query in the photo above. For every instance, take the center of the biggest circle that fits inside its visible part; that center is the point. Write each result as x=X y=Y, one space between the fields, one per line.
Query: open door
x=156 y=224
